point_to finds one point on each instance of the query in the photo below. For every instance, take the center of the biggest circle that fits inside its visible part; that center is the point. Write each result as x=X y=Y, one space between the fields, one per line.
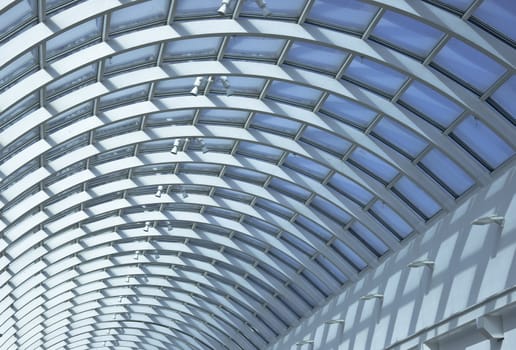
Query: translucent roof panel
x=260 y=48
x=186 y=49
x=142 y=14
x=306 y=166
x=503 y=98
x=421 y=201
x=498 y=16
x=16 y=17
x=461 y=5
x=373 y=165
x=401 y=138
x=284 y=9
x=469 y=65
x=483 y=142
x=406 y=34
x=275 y=124
x=309 y=55
x=329 y=142
x=348 y=111
x=354 y=16
x=375 y=75
x=390 y=219
x=294 y=93
x=441 y=112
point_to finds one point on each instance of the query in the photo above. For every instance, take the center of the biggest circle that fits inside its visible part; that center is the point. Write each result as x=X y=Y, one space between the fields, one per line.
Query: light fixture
x=184 y=194
x=421 y=263
x=223 y=9
x=147 y=226
x=305 y=341
x=225 y=82
x=175 y=146
x=120 y=298
x=204 y=147
x=169 y=226
x=136 y=255
x=263 y=5
x=492 y=219
x=159 y=191
x=371 y=296
x=197 y=84
x=128 y=279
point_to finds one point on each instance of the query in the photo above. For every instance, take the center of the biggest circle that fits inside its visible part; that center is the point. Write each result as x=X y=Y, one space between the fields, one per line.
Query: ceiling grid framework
x=187 y=174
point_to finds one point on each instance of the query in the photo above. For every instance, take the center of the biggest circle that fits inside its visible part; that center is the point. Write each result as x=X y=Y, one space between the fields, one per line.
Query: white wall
x=474 y=275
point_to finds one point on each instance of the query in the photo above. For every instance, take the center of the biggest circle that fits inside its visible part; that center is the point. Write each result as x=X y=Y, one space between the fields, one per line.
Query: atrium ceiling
x=198 y=174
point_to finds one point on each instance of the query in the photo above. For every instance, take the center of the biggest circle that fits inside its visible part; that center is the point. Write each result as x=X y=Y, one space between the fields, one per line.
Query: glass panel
x=438 y=108
x=468 y=64
x=313 y=279
x=245 y=174
x=350 y=189
x=295 y=93
x=461 y=5
x=275 y=124
x=70 y=116
x=402 y=138
x=74 y=37
x=417 y=197
x=174 y=86
x=200 y=168
x=349 y=15
x=325 y=140
x=348 y=111
x=191 y=8
x=330 y=210
x=223 y=116
x=314 y=228
x=259 y=151
x=310 y=55
x=390 y=219
x=306 y=166
x=330 y=267
x=504 y=98
x=16 y=16
x=498 y=14
x=481 y=140
x=73 y=80
x=375 y=75
x=170 y=118
x=18 y=67
x=193 y=48
x=289 y=189
x=283 y=9
x=372 y=164
x=238 y=86
x=132 y=58
x=140 y=14
x=369 y=238
x=446 y=172
x=274 y=208
x=255 y=47
x=349 y=254
x=125 y=95
x=407 y=33
x=299 y=244
x=235 y=195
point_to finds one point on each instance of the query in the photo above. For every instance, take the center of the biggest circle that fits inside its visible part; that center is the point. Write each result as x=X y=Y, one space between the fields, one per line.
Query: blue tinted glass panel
x=139 y=14
x=74 y=37
x=284 y=9
x=72 y=79
x=369 y=238
x=173 y=86
x=311 y=226
x=238 y=86
x=462 y=5
x=327 y=141
x=245 y=174
x=274 y=208
x=391 y=219
x=504 y=97
x=313 y=279
x=483 y=141
x=333 y=270
x=257 y=150
x=349 y=254
x=298 y=243
x=469 y=64
x=17 y=14
x=309 y=55
x=290 y=189
x=255 y=47
x=142 y=55
x=349 y=15
x=223 y=116
x=306 y=166
x=193 y=48
x=294 y=93
x=331 y=210
x=447 y=172
x=132 y=93
x=171 y=117
x=407 y=33
x=417 y=197
x=375 y=75
x=498 y=14
x=373 y=164
x=394 y=133
x=190 y=8
x=276 y=124
x=435 y=106
x=350 y=188
x=348 y=111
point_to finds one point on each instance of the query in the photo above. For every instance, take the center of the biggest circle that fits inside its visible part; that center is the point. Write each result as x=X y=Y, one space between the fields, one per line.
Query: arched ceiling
x=137 y=214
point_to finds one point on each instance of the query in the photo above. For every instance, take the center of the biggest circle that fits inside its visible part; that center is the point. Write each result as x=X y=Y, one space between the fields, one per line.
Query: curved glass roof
x=203 y=174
